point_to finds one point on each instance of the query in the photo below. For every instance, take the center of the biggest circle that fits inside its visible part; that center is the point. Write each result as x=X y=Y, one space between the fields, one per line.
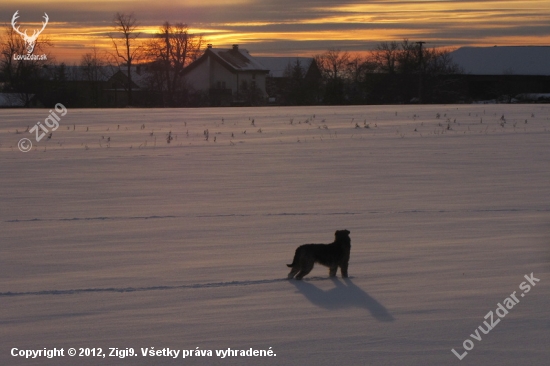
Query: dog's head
x=341 y=234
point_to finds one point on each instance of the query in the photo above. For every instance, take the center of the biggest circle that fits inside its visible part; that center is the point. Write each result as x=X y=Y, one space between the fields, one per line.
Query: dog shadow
x=344 y=294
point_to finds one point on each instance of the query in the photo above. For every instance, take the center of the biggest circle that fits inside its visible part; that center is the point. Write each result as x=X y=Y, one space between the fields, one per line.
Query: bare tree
x=408 y=71
x=385 y=56
x=172 y=49
x=409 y=57
x=357 y=67
x=439 y=61
x=93 y=68
x=127 y=49
x=333 y=63
x=92 y=63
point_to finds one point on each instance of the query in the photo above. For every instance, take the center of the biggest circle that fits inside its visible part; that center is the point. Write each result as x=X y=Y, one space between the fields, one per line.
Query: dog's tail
x=295 y=259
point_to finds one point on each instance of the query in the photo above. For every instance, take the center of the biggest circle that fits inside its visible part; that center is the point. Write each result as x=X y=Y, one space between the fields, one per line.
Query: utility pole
x=421 y=69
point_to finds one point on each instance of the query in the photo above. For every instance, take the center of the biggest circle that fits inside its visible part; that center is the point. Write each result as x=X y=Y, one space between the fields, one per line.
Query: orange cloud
x=289 y=27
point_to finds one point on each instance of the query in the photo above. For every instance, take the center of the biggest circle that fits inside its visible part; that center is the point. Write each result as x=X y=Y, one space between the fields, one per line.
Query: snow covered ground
x=114 y=238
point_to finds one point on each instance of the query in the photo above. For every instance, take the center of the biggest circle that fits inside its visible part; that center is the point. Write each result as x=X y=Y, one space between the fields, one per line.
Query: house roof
x=522 y=60
x=278 y=65
x=139 y=75
x=234 y=59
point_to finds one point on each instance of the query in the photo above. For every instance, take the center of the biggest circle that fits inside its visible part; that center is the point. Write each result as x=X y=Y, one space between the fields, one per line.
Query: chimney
x=235 y=47
x=209 y=45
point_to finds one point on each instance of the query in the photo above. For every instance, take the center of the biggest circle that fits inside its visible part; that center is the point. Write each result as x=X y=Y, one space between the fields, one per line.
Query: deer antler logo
x=29 y=40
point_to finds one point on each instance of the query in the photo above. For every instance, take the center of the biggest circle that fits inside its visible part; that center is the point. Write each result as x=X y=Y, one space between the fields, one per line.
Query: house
x=95 y=86
x=228 y=77
x=292 y=80
x=74 y=86
x=116 y=87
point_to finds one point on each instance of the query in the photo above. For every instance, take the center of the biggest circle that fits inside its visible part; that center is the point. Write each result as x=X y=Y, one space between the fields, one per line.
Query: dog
x=332 y=255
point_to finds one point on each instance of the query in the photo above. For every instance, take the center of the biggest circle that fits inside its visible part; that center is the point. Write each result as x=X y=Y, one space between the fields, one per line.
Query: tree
x=333 y=65
x=93 y=69
x=294 y=88
x=356 y=71
x=408 y=71
x=440 y=62
x=410 y=57
x=385 y=56
x=172 y=49
x=127 y=49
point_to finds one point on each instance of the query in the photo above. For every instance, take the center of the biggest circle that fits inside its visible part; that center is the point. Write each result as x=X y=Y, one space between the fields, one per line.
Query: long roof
x=234 y=59
x=520 y=60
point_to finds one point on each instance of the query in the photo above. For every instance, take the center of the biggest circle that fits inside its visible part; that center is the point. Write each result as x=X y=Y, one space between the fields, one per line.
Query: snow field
x=136 y=242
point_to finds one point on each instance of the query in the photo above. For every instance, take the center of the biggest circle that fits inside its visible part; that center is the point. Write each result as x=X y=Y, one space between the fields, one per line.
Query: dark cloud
x=274 y=26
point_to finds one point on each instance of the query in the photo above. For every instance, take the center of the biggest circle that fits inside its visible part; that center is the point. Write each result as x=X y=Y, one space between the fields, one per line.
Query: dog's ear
x=342 y=233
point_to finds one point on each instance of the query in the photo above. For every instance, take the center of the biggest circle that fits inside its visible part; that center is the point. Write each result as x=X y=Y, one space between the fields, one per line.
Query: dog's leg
x=332 y=271
x=305 y=270
x=344 y=269
x=293 y=272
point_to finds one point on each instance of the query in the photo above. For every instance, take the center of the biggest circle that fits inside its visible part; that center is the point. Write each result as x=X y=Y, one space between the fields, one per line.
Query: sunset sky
x=292 y=27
